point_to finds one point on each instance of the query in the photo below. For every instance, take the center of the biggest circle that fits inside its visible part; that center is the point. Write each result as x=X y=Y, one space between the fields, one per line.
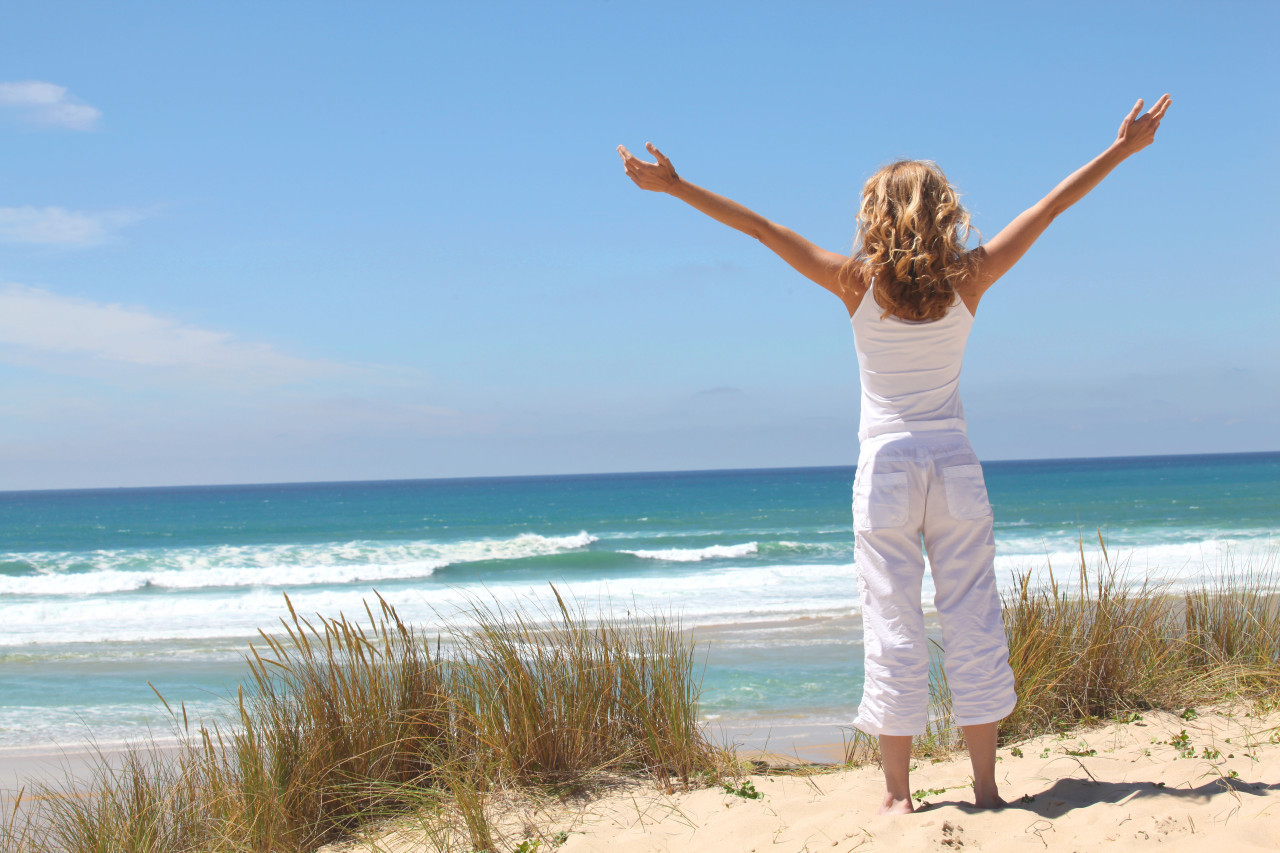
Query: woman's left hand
x=1137 y=132
x=658 y=177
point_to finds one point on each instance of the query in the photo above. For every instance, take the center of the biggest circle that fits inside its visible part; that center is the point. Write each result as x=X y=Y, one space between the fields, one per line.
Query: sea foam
x=695 y=555
x=108 y=572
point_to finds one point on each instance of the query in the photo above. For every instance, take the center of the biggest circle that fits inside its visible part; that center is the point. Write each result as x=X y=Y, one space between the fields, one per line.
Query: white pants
x=909 y=486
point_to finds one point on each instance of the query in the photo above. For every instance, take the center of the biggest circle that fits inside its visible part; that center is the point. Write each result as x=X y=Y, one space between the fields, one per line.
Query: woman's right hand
x=1137 y=132
x=658 y=177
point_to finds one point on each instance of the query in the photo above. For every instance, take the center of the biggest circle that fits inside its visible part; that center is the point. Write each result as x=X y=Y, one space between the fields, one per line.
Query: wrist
x=1119 y=150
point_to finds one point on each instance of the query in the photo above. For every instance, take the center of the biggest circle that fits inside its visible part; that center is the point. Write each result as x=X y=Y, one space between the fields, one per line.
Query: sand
x=1124 y=786
x=26 y=770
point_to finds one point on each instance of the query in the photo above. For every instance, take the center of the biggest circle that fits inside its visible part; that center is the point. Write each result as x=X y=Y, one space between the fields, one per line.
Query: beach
x=111 y=600
x=1136 y=790
x=29 y=773
x=1120 y=786
x=1181 y=781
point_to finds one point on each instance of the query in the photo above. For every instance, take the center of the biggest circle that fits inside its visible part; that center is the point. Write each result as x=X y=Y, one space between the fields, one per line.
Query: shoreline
x=797 y=732
x=25 y=769
x=791 y=743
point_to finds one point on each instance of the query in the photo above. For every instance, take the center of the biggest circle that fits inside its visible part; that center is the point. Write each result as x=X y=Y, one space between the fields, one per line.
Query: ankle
x=894 y=804
x=987 y=794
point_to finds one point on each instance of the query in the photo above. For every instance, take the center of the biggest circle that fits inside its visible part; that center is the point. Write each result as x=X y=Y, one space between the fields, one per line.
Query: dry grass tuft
x=342 y=724
x=1109 y=646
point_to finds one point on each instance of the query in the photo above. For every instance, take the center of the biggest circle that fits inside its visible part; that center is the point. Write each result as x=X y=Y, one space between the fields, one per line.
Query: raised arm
x=997 y=256
x=809 y=260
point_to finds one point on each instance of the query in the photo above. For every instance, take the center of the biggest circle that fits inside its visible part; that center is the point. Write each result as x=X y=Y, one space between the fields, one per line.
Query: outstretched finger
x=653 y=149
x=633 y=163
x=1133 y=113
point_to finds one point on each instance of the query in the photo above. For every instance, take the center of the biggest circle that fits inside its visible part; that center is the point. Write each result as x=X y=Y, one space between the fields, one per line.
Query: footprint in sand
x=1170 y=825
x=952 y=835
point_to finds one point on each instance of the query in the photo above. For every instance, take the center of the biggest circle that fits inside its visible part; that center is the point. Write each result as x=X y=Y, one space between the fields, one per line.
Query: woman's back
x=909 y=370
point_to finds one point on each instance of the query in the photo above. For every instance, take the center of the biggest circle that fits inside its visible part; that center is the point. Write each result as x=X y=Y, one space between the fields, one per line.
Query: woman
x=911 y=290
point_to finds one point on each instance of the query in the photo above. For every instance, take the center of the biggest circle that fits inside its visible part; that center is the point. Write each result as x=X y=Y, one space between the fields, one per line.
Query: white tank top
x=910 y=370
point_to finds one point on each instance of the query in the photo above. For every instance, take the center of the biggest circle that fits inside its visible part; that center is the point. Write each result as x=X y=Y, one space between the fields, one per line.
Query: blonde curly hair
x=912 y=232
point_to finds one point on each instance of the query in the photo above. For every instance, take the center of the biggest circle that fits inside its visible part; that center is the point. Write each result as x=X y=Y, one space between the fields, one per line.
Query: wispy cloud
x=69 y=334
x=48 y=105
x=57 y=226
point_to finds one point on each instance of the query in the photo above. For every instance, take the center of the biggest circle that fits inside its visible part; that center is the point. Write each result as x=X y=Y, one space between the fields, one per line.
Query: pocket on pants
x=880 y=500
x=966 y=492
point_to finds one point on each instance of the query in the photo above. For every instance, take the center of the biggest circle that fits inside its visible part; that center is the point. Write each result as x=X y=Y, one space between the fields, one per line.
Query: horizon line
x=597 y=474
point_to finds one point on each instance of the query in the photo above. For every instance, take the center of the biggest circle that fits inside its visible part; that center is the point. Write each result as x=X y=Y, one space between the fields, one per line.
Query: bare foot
x=894 y=805
x=989 y=800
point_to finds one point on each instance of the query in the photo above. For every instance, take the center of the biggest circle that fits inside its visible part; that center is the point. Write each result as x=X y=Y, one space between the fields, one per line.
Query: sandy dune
x=1123 y=786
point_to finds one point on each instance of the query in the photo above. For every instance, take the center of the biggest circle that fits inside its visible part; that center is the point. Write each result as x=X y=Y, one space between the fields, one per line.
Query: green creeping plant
x=925 y=792
x=747 y=790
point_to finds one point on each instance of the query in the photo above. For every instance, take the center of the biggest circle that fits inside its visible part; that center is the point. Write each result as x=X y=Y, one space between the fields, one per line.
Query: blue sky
x=247 y=242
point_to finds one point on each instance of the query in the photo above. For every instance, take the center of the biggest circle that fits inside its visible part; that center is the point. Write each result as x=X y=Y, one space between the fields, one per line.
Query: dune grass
x=1105 y=645
x=345 y=723
x=1109 y=646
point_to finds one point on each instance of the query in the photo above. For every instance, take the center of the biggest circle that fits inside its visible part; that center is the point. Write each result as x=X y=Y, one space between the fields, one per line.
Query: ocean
x=110 y=596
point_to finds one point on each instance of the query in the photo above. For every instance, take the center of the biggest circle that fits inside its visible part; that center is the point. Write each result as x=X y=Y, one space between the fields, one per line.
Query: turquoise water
x=104 y=591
